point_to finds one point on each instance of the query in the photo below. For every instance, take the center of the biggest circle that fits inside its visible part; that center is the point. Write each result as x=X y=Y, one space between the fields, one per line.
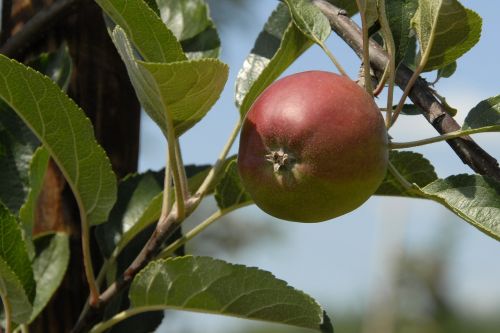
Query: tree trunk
x=100 y=86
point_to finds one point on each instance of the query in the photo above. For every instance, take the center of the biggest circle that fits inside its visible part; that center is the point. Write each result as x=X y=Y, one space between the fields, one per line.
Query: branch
x=38 y=25
x=166 y=226
x=164 y=229
x=421 y=94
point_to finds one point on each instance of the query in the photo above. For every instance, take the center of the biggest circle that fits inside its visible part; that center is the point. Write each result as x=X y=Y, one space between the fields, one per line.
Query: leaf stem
x=383 y=80
x=214 y=172
x=7 y=313
x=399 y=177
x=87 y=260
x=406 y=92
x=416 y=73
x=366 y=50
x=182 y=170
x=391 y=66
x=167 y=195
x=179 y=195
x=444 y=137
x=197 y=230
x=332 y=58
x=103 y=326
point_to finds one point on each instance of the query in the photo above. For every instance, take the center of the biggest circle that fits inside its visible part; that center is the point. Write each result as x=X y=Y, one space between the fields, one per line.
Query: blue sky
x=342 y=262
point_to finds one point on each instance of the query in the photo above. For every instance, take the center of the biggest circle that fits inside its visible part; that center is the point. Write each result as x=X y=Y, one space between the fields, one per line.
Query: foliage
x=170 y=50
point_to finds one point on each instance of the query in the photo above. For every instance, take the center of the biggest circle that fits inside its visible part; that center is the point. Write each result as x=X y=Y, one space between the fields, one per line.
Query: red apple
x=313 y=147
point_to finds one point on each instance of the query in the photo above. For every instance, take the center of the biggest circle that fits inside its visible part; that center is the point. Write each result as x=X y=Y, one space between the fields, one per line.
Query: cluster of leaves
x=431 y=36
x=170 y=50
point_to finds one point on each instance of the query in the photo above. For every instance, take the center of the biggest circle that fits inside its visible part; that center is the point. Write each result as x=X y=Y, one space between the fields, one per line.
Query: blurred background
x=393 y=265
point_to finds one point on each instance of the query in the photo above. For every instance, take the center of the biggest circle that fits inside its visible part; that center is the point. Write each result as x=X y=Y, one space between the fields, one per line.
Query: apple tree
x=82 y=234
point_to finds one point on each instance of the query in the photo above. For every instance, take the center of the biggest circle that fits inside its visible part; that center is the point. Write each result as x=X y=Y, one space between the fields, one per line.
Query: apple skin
x=313 y=147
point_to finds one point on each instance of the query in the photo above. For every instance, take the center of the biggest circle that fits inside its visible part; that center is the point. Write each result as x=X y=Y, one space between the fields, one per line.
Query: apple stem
x=400 y=178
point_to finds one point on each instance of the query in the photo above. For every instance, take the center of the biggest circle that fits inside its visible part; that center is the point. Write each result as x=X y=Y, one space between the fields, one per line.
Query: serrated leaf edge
x=310 y=299
x=99 y=149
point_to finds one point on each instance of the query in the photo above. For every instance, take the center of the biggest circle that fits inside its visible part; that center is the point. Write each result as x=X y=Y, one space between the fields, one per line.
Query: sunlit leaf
x=191 y=24
x=474 y=198
x=177 y=94
x=149 y=35
x=17 y=142
x=399 y=14
x=65 y=132
x=310 y=20
x=276 y=47
x=204 y=284
x=445 y=30
x=486 y=113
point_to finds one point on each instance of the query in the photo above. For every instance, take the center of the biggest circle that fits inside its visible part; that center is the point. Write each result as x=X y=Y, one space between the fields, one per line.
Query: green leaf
x=486 y=113
x=474 y=198
x=178 y=93
x=154 y=41
x=38 y=167
x=413 y=166
x=190 y=22
x=135 y=194
x=66 y=133
x=204 y=284
x=446 y=71
x=230 y=191
x=277 y=46
x=399 y=14
x=17 y=145
x=13 y=252
x=49 y=267
x=139 y=205
x=188 y=89
x=446 y=30
x=13 y=293
x=56 y=65
x=310 y=20
x=17 y=142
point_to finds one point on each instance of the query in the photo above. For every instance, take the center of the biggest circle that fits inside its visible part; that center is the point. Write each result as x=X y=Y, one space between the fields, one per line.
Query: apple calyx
x=281 y=161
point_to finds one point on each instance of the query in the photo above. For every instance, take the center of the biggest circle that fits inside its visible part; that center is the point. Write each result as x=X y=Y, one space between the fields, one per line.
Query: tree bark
x=100 y=86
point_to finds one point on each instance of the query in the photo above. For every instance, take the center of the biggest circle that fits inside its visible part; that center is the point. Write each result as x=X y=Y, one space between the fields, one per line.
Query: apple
x=313 y=147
